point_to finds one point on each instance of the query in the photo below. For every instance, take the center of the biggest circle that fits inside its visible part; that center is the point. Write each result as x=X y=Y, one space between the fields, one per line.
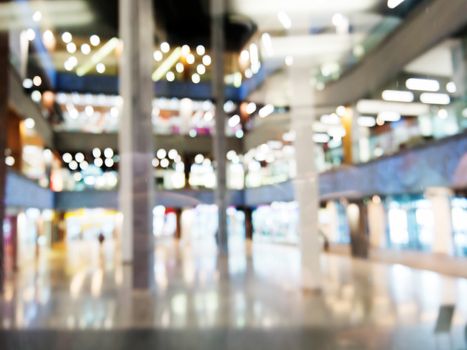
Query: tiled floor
x=252 y=300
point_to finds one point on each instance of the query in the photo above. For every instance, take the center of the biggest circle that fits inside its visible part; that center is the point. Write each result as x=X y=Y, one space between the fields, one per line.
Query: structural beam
x=219 y=141
x=136 y=140
x=430 y=23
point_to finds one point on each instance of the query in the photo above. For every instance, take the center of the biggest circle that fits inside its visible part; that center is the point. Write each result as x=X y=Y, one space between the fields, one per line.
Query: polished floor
x=80 y=297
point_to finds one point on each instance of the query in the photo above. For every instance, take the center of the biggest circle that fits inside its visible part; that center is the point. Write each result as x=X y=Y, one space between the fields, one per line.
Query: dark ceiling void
x=402 y=10
x=180 y=21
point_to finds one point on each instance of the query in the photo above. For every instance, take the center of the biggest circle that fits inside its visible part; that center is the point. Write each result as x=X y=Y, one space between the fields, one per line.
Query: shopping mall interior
x=233 y=174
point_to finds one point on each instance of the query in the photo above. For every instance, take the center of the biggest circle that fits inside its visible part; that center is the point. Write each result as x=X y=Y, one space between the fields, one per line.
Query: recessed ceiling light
x=397 y=96
x=419 y=84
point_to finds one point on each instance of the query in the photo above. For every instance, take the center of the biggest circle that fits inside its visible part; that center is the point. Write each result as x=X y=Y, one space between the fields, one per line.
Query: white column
x=136 y=139
x=218 y=8
x=306 y=180
x=377 y=223
x=442 y=219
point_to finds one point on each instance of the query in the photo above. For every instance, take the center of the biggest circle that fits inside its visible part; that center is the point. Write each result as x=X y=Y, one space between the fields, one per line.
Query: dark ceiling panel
x=182 y=22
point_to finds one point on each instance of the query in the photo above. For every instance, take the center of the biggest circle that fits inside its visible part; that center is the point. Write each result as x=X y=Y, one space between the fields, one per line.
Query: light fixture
x=108 y=152
x=419 y=84
x=190 y=58
x=231 y=155
x=206 y=60
x=99 y=56
x=71 y=47
x=330 y=119
x=288 y=136
x=321 y=138
x=161 y=153
x=85 y=49
x=244 y=58
x=254 y=58
x=157 y=55
x=195 y=78
x=389 y=116
x=239 y=134
x=376 y=106
x=27 y=83
x=98 y=162
x=96 y=152
x=67 y=37
x=397 y=96
x=170 y=76
x=30 y=34
x=165 y=163
x=84 y=165
x=179 y=67
x=199 y=158
x=165 y=47
x=79 y=157
x=49 y=39
x=77 y=177
x=341 y=23
x=435 y=98
x=172 y=154
x=251 y=108
x=248 y=73
x=73 y=165
x=267 y=44
x=201 y=69
x=89 y=110
x=284 y=19
x=155 y=162
x=366 y=121
x=94 y=40
x=109 y=162
x=167 y=64
x=229 y=106
x=37 y=81
x=341 y=111
x=37 y=16
x=36 y=96
x=234 y=120
x=9 y=160
x=29 y=123
x=100 y=68
x=265 y=111
x=185 y=50
x=392 y=4
x=67 y=157
x=200 y=50
x=451 y=87
x=442 y=113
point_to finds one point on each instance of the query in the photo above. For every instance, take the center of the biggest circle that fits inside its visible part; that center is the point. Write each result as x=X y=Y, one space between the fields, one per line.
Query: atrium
x=233 y=174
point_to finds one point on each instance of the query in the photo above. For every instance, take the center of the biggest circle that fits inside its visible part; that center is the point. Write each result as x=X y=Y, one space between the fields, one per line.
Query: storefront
x=410 y=223
x=459 y=225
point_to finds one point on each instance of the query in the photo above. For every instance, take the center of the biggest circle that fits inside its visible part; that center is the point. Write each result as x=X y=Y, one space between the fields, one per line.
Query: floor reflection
x=83 y=286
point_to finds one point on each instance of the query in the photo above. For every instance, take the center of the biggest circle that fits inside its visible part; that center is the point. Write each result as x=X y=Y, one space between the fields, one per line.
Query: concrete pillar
x=377 y=223
x=4 y=64
x=442 y=219
x=178 y=228
x=306 y=180
x=248 y=223
x=135 y=140
x=358 y=224
x=459 y=64
x=218 y=8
